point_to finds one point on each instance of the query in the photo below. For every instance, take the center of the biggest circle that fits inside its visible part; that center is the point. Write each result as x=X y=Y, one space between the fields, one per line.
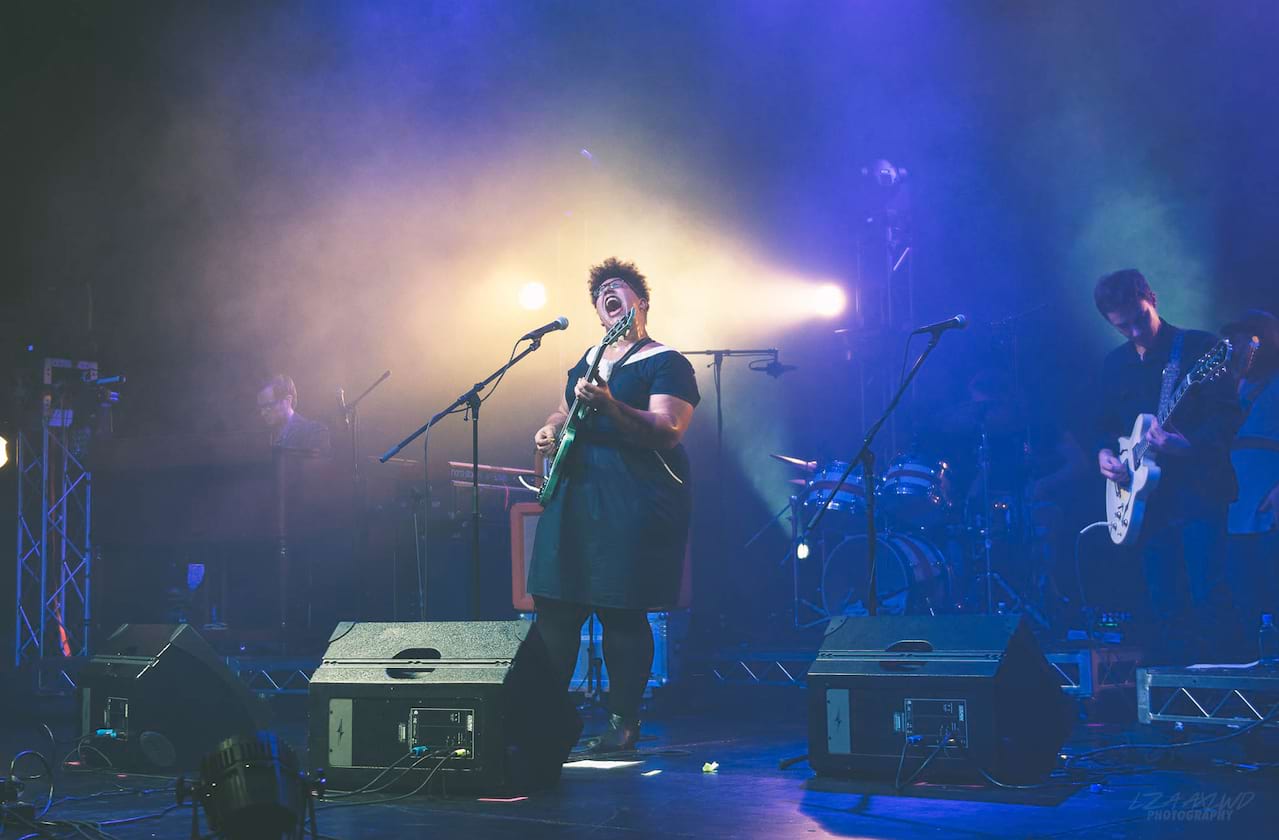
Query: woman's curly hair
x=624 y=271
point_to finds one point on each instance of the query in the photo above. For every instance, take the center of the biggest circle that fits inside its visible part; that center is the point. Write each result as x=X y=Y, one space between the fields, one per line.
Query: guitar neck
x=1182 y=388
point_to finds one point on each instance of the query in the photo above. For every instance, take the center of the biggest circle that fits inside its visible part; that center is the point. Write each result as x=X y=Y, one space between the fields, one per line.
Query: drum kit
x=934 y=541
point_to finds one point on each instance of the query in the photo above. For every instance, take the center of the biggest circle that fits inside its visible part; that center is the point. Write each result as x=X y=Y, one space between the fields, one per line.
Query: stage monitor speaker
x=157 y=697
x=472 y=702
x=971 y=695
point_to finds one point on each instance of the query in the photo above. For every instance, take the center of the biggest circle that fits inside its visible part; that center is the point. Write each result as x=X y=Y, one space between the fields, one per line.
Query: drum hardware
x=990 y=578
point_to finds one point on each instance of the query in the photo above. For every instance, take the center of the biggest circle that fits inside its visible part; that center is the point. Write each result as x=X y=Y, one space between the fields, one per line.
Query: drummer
x=1033 y=466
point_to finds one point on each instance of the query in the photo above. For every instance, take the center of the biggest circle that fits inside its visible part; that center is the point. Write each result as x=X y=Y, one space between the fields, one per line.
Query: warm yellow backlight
x=828 y=300
x=532 y=296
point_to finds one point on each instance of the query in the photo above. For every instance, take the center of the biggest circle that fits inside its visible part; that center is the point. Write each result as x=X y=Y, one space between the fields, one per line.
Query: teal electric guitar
x=577 y=414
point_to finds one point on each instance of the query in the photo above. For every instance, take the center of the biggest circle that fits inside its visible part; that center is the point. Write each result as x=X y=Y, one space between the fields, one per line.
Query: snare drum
x=912 y=576
x=847 y=511
x=915 y=491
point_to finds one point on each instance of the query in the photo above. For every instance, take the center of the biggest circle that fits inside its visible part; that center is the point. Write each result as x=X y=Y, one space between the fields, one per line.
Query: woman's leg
x=560 y=624
x=628 y=654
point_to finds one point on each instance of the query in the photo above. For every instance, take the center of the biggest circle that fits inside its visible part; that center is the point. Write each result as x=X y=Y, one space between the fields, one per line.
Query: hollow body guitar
x=578 y=414
x=1126 y=503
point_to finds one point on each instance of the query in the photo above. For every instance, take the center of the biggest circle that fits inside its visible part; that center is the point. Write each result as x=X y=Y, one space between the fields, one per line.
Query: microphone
x=959 y=322
x=775 y=368
x=560 y=323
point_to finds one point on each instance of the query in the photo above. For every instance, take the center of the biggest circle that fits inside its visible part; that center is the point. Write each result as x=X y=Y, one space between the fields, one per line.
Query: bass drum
x=912 y=576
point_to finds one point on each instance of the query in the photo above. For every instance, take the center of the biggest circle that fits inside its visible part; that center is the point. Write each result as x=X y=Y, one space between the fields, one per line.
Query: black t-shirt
x=652 y=370
x=1209 y=417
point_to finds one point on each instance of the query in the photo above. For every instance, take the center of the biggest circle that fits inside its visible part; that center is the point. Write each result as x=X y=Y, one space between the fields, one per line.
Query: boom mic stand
x=717 y=362
x=471 y=401
x=867 y=459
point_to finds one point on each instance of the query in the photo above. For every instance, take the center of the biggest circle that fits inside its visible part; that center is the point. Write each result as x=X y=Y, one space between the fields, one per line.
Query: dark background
x=199 y=195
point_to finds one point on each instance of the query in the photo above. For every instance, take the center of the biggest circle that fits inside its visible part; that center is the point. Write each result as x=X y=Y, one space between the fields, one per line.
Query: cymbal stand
x=990 y=576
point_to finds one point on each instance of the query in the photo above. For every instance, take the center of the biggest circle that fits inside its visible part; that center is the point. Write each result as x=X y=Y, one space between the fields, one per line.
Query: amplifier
x=406 y=695
x=668 y=631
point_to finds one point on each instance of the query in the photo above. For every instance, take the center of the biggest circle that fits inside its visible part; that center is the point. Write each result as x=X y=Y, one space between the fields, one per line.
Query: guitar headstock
x=1214 y=364
x=620 y=329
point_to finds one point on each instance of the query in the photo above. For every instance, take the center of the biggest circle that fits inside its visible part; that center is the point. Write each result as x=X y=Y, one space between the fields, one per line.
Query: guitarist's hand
x=598 y=397
x=544 y=440
x=1113 y=468
x=1166 y=441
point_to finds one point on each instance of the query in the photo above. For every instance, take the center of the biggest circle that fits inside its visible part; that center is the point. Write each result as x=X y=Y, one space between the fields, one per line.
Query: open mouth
x=612 y=305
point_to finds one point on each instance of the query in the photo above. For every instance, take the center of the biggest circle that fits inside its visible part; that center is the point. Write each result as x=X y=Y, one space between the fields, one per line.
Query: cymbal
x=810 y=466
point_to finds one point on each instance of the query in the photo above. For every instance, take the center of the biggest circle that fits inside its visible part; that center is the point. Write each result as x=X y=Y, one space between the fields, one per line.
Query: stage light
x=251 y=788
x=801 y=550
x=532 y=296
x=828 y=300
x=4 y=451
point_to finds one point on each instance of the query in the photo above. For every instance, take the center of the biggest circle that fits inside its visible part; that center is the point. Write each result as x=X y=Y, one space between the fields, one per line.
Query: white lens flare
x=828 y=300
x=532 y=296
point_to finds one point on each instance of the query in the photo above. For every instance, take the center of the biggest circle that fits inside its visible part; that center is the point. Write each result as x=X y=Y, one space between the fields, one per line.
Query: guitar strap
x=634 y=348
x=1171 y=371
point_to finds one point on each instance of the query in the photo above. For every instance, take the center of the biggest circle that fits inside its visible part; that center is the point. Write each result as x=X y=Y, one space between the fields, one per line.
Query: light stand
x=471 y=400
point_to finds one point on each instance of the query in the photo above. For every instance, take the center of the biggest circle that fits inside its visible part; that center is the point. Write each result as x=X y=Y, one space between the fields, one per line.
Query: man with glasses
x=277 y=402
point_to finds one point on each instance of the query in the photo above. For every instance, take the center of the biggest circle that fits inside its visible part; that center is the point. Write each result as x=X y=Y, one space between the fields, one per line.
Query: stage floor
x=748 y=731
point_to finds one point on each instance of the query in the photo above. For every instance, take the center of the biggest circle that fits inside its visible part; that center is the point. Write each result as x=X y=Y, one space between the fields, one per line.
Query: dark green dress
x=614 y=533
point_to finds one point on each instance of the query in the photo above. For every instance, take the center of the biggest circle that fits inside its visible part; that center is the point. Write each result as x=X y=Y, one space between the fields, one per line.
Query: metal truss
x=777 y=668
x=273 y=675
x=1087 y=671
x=54 y=555
x=1224 y=697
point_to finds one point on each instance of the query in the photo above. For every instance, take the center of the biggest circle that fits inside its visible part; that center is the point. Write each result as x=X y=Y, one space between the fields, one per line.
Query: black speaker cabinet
x=156 y=696
x=405 y=695
x=970 y=694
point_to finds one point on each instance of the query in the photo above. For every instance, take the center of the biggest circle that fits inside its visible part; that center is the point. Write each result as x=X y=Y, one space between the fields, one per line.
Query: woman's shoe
x=621 y=736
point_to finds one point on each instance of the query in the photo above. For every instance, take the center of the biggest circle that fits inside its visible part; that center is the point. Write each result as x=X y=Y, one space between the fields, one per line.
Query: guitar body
x=1126 y=505
x=556 y=468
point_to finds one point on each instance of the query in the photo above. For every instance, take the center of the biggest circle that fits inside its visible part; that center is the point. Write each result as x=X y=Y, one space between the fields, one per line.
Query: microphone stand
x=717 y=362
x=471 y=400
x=867 y=459
x=359 y=518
